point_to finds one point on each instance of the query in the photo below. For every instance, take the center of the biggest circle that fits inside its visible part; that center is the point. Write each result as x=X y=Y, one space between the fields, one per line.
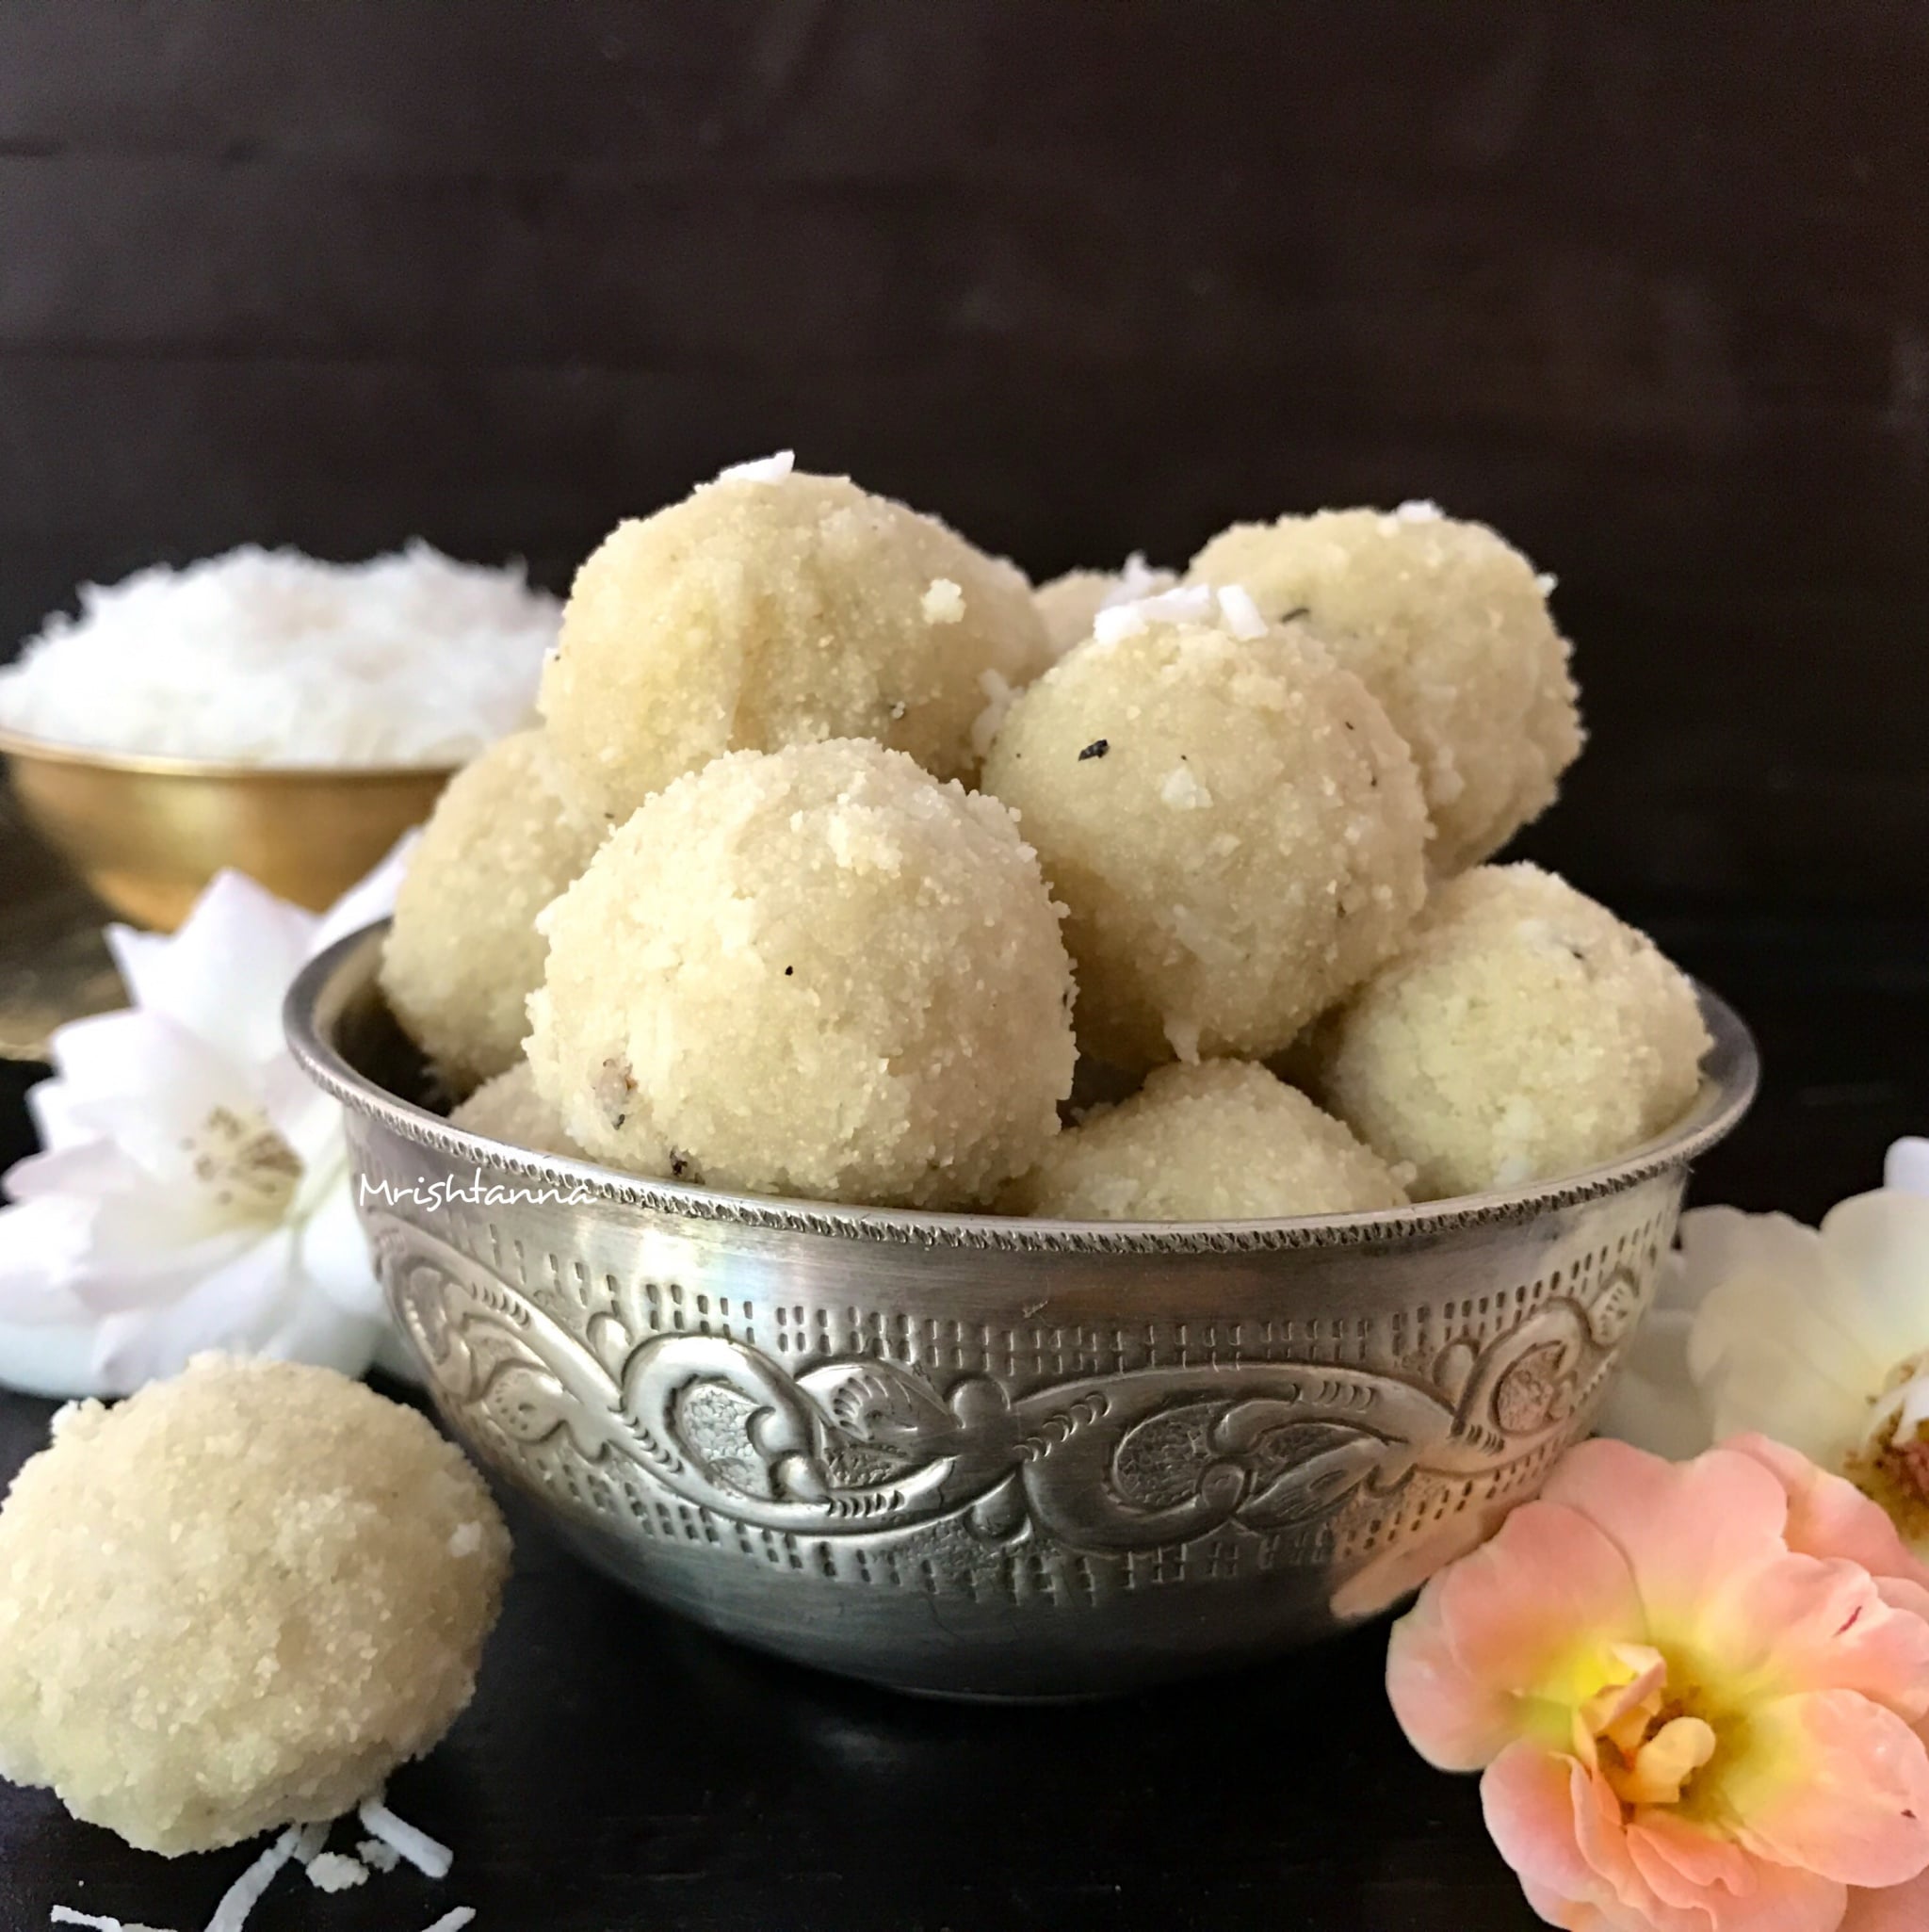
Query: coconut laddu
x=1222 y=1141
x=775 y=609
x=1234 y=824
x=1523 y=1032
x=1448 y=625
x=237 y=1600
x=462 y=953
x=815 y=971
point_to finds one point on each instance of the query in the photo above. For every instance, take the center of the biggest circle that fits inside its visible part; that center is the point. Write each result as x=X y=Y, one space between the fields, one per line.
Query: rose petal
x=1466 y=1665
x=1895 y=1908
x=1531 y=1799
x=1828 y=1517
x=1684 y=1864
x=1833 y=1783
x=1690 y=1867
x=1689 y=1532
x=1801 y=1624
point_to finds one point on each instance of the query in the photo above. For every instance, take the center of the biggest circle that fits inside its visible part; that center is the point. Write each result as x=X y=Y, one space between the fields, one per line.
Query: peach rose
x=1697 y=1692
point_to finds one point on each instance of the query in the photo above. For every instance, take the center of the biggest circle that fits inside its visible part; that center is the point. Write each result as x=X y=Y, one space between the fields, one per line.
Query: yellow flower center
x=244 y=1172
x=1646 y=1742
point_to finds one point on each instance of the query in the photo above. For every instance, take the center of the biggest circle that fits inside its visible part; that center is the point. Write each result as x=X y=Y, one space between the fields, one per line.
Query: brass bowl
x=146 y=834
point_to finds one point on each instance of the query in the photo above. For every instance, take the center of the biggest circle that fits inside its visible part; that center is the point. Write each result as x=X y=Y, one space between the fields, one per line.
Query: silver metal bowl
x=989 y=1457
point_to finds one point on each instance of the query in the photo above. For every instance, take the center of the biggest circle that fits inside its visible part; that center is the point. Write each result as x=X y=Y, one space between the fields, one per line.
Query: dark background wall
x=1644 y=284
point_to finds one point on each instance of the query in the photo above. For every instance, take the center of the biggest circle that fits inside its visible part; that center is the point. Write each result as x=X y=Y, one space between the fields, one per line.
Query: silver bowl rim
x=325 y=985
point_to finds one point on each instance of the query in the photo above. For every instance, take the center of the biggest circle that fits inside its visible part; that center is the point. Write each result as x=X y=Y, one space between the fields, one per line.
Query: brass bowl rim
x=17 y=744
x=322 y=990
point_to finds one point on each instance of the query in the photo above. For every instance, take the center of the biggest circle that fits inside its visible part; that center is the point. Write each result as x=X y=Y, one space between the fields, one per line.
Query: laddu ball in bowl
x=779 y=610
x=1235 y=826
x=816 y=972
x=1448 y=625
x=508 y=1108
x=1525 y=1033
x=462 y=953
x=238 y=1599
x=1222 y=1141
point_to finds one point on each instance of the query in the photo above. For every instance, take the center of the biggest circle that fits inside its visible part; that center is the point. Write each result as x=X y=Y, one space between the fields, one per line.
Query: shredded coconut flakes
x=1239 y=613
x=762 y=469
x=271 y=657
x=335 y=1872
x=66 y=1915
x=432 y=1860
x=454 y=1921
x=1190 y=604
x=242 y=1896
x=943 y=602
x=1183 y=790
x=1136 y=581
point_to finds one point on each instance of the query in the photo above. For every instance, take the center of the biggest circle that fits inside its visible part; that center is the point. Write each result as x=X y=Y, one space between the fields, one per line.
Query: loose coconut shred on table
x=395 y=1841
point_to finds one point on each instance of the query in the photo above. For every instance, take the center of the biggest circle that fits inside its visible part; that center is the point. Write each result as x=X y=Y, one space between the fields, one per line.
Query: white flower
x=192 y=1191
x=1816 y=1337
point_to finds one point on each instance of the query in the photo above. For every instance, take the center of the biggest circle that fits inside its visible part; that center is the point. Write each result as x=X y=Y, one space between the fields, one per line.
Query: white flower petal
x=1878 y=1247
x=224 y=975
x=372 y=899
x=1681 y=1285
x=86 y=1168
x=144 y=1064
x=42 y=1243
x=1653 y=1402
x=301 y=1112
x=1908 y=1166
x=233 y=1308
x=1717 y=1242
x=126 y=1269
x=1912 y=1412
x=333 y=1254
x=314 y=1330
x=1764 y=1272
x=50 y=1107
x=1772 y=1347
x=143 y=1225
x=52 y=1359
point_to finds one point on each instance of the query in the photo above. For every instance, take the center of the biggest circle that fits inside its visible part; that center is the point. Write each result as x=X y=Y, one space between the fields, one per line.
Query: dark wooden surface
x=1646 y=285
x=621 y=1772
